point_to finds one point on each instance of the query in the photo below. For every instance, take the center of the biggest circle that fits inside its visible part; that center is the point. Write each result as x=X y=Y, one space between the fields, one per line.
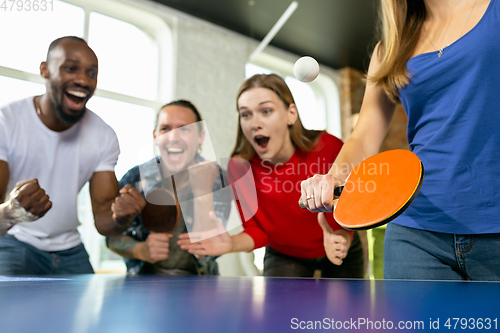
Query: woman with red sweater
x=281 y=153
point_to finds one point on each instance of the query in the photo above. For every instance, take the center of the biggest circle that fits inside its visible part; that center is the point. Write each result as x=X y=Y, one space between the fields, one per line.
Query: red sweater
x=275 y=217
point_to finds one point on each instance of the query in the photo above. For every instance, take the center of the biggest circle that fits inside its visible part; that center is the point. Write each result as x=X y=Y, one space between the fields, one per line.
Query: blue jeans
x=424 y=255
x=19 y=258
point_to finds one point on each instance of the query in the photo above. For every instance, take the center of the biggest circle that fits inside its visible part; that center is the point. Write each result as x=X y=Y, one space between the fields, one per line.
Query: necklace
x=441 y=50
x=37 y=108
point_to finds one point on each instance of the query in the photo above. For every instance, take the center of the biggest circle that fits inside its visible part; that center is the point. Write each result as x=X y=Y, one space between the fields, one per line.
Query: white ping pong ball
x=306 y=69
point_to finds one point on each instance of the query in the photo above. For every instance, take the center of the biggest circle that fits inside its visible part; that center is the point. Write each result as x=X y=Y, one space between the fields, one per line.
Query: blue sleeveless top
x=453 y=108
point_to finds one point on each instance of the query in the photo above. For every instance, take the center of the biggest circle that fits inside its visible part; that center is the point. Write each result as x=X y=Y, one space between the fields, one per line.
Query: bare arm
x=201 y=179
x=155 y=248
x=363 y=238
x=373 y=123
x=112 y=213
x=4 y=180
x=242 y=242
x=123 y=246
x=103 y=191
x=203 y=205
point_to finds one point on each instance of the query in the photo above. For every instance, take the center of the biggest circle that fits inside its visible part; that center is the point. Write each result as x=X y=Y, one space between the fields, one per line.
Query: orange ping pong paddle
x=378 y=190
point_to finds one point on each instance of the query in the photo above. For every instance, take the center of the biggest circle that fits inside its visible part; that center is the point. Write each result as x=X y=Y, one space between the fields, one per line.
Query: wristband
x=11 y=213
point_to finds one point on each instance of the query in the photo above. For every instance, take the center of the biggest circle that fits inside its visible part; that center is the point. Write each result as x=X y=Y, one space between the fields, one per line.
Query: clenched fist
x=127 y=205
x=202 y=177
x=154 y=249
x=336 y=243
x=27 y=203
x=31 y=197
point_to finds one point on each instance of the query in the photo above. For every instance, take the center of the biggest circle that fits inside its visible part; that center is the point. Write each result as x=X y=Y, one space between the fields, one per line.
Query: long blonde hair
x=301 y=137
x=401 y=23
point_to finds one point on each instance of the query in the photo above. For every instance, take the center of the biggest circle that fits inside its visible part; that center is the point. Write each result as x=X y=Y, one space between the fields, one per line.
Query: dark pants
x=279 y=264
x=19 y=258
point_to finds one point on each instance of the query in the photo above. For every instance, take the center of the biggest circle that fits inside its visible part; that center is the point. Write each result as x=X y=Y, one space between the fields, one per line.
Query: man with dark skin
x=52 y=143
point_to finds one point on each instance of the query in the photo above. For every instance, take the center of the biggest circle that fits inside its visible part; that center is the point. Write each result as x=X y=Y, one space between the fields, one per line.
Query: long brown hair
x=301 y=137
x=401 y=23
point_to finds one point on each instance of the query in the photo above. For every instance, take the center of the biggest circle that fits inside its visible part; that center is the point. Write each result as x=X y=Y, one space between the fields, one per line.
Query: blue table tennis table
x=116 y=303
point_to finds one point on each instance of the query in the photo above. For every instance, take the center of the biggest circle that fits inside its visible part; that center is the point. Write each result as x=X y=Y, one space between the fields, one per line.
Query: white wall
x=210 y=68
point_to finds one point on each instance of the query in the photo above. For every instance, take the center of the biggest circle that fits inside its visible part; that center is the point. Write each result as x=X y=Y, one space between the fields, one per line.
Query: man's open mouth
x=76 y=97
x=175 y=150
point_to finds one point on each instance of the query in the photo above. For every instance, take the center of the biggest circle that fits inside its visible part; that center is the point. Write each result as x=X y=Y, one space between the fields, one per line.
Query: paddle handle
x=336 y=193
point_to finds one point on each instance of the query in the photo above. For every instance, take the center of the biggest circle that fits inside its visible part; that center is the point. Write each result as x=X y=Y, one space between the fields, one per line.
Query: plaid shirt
x=143 y=177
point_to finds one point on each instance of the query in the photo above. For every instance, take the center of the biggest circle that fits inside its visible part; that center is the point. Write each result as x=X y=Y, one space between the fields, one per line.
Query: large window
x=130 y=87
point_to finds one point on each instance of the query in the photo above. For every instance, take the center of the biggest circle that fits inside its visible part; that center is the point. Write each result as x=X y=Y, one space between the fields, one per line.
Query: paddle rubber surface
x=379 y=189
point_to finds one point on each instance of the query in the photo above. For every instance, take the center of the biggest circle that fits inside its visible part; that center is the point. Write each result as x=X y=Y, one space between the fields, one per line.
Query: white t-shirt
x=61 y=161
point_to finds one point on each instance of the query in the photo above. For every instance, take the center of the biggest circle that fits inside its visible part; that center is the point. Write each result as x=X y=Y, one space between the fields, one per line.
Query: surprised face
x=264 y=120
